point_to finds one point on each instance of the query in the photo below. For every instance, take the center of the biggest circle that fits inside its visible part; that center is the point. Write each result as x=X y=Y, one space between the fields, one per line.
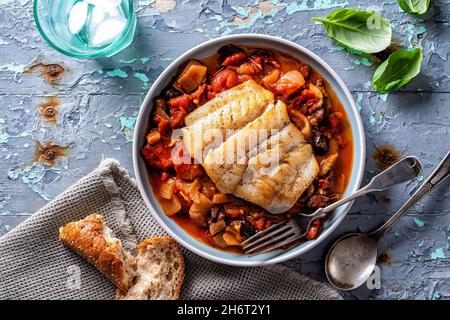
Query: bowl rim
x=142 y=122
x=102 y=53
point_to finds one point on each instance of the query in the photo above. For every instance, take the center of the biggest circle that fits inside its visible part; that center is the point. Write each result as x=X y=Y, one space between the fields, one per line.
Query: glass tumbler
x=86 y=28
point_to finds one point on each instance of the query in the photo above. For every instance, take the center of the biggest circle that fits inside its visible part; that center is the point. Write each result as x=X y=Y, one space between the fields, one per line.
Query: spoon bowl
x=351 y=260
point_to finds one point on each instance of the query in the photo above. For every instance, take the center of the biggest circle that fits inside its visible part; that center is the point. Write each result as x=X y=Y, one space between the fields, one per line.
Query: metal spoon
x=352 y=258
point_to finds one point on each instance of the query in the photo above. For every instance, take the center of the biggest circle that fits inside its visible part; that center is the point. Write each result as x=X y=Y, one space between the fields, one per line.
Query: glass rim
x=89 y=55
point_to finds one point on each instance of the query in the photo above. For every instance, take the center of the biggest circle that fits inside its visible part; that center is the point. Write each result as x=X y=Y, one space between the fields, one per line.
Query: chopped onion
x=166 y=189
x=234 y=212
x=230 y=239
x=316 y=91
x=270 y=80
x=220 y=198
x=327 y=164
x=194 y=188
x=171 y=206
x=202 y=201
x=215 y=228
x=218 y=238
x=200 y=209
x=301 y=123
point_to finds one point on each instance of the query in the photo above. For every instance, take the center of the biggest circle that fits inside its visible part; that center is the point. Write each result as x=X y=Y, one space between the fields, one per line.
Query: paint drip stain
x=49 y=153
x=385 y=156
x=385 y=198
x=384 y=258
x=49 y=72
x=49 y=109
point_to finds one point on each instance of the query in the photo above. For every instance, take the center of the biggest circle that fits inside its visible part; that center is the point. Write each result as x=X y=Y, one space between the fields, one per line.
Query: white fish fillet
x=236 y=110
x=226 y=97
x=225 y=165
x=266 y=161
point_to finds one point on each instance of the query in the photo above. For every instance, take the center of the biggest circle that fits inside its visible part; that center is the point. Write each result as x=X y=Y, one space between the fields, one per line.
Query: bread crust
x=87 y=238
x=92 y=239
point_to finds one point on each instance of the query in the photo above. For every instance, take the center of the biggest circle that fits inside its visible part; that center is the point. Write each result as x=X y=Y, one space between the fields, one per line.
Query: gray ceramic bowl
x=209 y=48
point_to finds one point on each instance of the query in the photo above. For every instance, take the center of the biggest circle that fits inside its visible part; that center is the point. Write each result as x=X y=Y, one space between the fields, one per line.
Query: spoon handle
x=404 y=170
x=439 y=174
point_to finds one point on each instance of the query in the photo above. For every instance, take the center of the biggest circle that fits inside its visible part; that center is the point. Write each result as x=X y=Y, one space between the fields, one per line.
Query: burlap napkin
x=34 y=264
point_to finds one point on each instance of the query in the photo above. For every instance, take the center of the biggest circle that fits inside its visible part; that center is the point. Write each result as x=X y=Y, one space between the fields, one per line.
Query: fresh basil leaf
x=397 y=70
x=366 y=31
x=414 y=6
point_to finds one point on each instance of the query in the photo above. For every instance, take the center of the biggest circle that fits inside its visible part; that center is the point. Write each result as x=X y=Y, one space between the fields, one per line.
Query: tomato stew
x=187 y=194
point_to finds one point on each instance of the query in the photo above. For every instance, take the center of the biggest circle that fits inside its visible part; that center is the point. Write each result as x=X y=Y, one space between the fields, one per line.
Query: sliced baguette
x=94 y=241
x=159 y=271
x=156 y=272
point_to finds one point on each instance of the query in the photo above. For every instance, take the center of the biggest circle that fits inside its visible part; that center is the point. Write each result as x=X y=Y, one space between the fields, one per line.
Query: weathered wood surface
x=99 y=101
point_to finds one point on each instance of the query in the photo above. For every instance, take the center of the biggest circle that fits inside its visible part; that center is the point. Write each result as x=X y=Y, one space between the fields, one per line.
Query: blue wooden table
x=86 y=110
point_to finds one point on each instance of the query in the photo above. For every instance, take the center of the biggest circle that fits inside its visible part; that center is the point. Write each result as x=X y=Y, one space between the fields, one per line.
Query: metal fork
x=286 y=232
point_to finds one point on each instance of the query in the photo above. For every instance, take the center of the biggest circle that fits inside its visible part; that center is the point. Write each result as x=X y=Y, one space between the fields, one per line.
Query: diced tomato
x=177 y=118
x=244 y=77
x=313 y=230
x=181 y=102
x=199 y=95
x=165 y=176
x=335 y=119
x=325 y=184
x=188 y=171
x=307 y=94
x=158 y=155
x=234 y=59
x=271 y=79
x=289 y=82
x=260 y=224
x=163 y=124
x=184 y=165
x=246 y=68
x=257 y=63
x=223 y=80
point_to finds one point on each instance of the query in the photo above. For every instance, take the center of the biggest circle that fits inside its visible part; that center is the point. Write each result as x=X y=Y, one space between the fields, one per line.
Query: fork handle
x=438 y=175
x=402 y=171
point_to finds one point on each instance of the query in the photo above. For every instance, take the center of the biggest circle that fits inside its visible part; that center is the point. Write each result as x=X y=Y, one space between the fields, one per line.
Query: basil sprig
x=362 y=30
x=397 y=70
x=414 y=6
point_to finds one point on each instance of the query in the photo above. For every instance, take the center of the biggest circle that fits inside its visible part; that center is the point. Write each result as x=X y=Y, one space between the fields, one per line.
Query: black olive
x=228 y=50
x=214 y=213
x=319 y=143
x=172 y=93
x=247 y=229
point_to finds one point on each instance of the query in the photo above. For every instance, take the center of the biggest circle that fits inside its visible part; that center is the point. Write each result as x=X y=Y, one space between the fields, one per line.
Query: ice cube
x=108 y=31
x=98 y=15
x=105 y=4
x=77 y=17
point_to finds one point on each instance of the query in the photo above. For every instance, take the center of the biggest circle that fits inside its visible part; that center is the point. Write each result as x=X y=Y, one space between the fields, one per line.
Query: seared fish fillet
x=226 y=164
x=277 y=185
x=266 y=160
x=226 y=97
x=208 y=125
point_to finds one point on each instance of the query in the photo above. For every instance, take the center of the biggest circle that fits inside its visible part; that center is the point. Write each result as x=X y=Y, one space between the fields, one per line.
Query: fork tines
x=274 y=237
